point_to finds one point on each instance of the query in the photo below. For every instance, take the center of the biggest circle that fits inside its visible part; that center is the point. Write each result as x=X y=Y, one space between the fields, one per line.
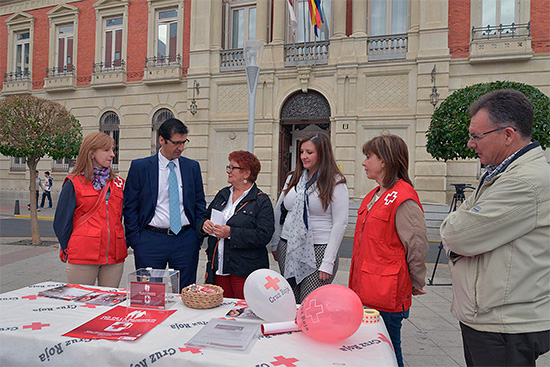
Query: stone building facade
x=123 y=66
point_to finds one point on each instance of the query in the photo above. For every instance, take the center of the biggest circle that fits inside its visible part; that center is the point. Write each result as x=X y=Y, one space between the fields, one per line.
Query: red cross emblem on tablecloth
x=225 y=318
x=288 y=362
x=190 y=349
x=32 y=297
x=384 y=339
x=35 y=326
x=272 y=283
x=313 y=311
x=88 y=305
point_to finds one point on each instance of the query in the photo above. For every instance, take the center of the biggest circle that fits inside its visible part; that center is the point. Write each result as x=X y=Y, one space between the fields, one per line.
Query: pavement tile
x=431 y=361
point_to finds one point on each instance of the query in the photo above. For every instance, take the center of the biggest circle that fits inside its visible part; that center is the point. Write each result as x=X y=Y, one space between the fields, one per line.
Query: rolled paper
x=279 y=327
x=370 y=316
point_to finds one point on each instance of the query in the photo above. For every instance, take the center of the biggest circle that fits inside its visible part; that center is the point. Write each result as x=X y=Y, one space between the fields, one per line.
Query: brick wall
x=540 y=26
x=459 y=29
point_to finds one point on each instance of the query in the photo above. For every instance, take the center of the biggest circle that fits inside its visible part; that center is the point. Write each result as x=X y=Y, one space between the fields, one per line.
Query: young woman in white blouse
x=308 y=236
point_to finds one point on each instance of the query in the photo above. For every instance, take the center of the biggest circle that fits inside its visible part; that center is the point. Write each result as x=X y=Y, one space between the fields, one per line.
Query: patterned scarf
x=101 y=176
x=300 y=253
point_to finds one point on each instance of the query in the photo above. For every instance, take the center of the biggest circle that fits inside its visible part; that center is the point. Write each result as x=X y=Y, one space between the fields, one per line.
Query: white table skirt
x=164 y=345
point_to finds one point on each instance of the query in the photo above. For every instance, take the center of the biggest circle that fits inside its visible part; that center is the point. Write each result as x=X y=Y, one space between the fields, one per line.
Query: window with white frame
x=18 y=164
x=19 y=46
x=112 y=42
x=63 y=39
x=109 y=124
x=22 y=53
x=243 y=25
x=61 y=165
x=167 y=35
x=64 y=47
x=388 y=17
x=111 y=35
x=305 y=31
x=493 y=19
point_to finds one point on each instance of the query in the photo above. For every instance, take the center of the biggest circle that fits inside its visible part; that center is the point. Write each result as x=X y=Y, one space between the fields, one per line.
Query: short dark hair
x=507 y=107
x=172 y=126
x=393 y=151
x=47 y=173
x=248 y=161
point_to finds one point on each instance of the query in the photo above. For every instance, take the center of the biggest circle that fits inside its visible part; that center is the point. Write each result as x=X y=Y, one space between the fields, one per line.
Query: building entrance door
x=302 y=113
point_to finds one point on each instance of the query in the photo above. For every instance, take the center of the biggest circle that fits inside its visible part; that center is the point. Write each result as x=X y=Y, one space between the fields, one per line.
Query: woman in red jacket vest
x=88 y=216
x=390 y=241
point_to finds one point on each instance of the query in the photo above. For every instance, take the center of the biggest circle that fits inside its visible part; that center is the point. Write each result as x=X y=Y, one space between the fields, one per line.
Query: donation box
x=150 y=288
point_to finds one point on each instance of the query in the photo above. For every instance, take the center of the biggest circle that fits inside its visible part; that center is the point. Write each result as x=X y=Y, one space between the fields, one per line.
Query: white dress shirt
x=161 y=219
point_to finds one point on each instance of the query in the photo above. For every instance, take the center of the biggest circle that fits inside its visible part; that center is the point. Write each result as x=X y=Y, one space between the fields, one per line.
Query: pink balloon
x=330 y=313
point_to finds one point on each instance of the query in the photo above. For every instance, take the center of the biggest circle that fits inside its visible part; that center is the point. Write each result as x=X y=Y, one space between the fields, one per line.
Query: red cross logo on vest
x=288 y=362
x=272 y=283
x=390 y=198
x=118 y=182
x=313 y=311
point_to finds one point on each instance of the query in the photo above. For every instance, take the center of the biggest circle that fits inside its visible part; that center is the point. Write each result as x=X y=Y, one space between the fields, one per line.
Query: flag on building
x=293 y=20
x=317 y=18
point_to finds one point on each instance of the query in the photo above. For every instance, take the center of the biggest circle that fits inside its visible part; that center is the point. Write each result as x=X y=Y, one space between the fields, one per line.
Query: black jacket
x=251 y=227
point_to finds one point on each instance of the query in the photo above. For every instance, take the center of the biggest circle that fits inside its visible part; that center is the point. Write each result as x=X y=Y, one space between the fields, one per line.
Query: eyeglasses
x=479 y=136
x=231 y=168
x=186 y=141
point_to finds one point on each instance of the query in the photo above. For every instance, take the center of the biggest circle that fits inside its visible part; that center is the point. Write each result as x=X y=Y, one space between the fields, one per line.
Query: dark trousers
x=46 y=194
x=393 y=321
x=483 y=348
x=179 y=252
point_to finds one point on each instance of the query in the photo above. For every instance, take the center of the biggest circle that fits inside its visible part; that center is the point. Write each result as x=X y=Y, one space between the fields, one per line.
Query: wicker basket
x=202 y=300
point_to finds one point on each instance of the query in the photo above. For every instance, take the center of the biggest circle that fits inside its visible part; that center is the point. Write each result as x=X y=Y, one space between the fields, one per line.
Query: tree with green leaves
x=32 y=128
x=448 y=131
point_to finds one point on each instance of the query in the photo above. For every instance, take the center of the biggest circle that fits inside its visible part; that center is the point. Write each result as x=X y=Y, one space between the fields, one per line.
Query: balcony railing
x=163 y=61
x=388 y=47
x=501 y=31
x=307 y=53
x=17 y=76
x=66 y=70
x=232 y=59
x=111 y=66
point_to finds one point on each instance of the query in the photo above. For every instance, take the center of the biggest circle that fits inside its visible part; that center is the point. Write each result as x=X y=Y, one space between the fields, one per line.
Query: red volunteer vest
x=100 y=240
x=379 y=272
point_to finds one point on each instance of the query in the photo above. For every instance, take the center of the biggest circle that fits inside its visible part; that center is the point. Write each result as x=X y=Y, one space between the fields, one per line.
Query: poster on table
x=120 y=323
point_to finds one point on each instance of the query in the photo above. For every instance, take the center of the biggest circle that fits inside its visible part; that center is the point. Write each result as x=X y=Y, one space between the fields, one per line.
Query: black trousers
x=483 y=348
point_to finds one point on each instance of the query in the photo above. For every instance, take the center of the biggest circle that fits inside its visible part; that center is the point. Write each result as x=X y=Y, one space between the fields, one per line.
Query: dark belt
x=167 y=231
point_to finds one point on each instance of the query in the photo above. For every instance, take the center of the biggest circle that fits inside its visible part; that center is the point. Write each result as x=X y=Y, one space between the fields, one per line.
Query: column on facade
x=279 y=8
x=339 y=18
x=359 y=18
x=216 y=25
x=261 y=20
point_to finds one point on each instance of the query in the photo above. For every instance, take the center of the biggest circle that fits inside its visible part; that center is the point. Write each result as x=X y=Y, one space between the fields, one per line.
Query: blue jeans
x=393 y=322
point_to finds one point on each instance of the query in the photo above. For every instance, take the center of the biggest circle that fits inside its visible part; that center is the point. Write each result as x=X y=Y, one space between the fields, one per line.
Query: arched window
x=159 y=117
x=109 y=124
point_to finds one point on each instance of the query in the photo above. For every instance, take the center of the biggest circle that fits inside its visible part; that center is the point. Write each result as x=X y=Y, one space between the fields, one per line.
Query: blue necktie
x=173 y=193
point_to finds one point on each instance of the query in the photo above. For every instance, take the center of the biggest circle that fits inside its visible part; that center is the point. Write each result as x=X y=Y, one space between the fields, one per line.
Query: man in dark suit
x=163 y=202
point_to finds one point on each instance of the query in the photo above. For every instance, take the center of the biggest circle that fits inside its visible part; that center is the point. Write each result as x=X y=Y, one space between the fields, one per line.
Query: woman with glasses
x=239 y=225
x=88 y=221
x=390 y=243
x=315 y=198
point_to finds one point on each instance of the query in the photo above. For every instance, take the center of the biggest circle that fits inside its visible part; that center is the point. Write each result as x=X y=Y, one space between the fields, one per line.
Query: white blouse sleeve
x=340 y=213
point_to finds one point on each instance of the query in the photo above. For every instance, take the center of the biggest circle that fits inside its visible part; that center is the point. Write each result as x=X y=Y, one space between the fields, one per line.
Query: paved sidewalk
x=431 y=336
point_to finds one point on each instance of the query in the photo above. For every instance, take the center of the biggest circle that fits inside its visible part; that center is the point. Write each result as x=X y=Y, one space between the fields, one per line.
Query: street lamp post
x=253 y=56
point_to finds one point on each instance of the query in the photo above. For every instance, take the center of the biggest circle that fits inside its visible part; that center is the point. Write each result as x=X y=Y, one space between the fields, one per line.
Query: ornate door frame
x=298 y=111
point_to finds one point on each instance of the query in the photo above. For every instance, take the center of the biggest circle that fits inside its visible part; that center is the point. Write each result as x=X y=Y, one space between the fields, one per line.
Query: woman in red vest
x=88 y=216
x=390 y=241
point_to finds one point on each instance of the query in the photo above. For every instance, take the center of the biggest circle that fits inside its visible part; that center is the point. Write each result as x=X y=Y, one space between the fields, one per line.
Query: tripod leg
x=431 y=281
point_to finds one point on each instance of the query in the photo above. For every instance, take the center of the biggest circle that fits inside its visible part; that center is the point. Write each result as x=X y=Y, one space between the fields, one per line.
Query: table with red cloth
x=32 y=328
